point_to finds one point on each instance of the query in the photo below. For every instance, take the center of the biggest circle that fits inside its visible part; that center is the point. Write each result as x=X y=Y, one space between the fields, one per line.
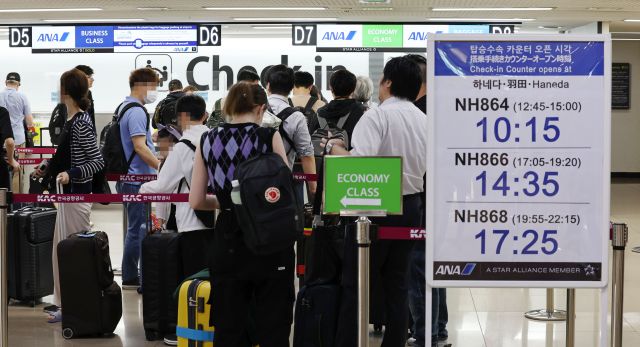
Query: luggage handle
x=60 y=218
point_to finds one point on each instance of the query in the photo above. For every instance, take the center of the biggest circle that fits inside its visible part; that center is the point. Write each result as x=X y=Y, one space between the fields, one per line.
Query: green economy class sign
x=362 y=184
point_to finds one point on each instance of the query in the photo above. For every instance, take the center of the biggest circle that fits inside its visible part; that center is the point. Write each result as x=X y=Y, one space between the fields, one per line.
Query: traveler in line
x=190 y=90
x=396 y=128
x=20 y=112
x=217 y=117
x=136 y=142
x=165 y=112
x=303 y=82
x=364 y=91
x=9 y=164
x=342 y=107
x=294 y=128
x=74 y=164
x=239 y=278
x=91 y=110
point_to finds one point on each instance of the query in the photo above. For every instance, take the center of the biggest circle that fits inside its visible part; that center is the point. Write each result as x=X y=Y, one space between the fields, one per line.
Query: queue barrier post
x=363 y=226
x=548 y=314
x=619 y=239
x=4 y=295
x=571 y=317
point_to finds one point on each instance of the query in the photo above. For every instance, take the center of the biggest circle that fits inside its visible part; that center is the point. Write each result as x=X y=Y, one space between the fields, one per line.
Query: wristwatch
x=328 y=148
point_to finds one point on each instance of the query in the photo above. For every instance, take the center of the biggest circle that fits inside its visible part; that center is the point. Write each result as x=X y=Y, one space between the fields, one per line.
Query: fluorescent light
x=451 y=9
x=450 y=19
x=96 y=20
x=269 y=19
x=153 y=8
x=632 y=20
x=17 y=10
x=269 y=27
x=265 y=8
x=377 y=8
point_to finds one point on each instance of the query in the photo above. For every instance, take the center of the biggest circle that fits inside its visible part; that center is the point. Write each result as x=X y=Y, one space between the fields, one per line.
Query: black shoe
x=51 y=309
x=171 y=340
x=130 y=285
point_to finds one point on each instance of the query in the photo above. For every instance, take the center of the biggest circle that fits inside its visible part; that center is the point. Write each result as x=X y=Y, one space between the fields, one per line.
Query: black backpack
x=111 y=146
x=307 y=110
x=283 y=115
x=216 y=118
x=165 y=113
x=206 y=217
x=270 y=216
x=56 y=123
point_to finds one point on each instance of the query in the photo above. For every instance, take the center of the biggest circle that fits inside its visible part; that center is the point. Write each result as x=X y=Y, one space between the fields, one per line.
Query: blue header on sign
x=94 y=37
x=512 y=58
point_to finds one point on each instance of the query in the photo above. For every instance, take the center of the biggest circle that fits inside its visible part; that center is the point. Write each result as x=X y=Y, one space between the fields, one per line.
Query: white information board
x=518 y=161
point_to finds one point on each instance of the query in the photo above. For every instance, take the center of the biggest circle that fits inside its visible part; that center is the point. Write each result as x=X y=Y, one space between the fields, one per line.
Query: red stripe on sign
x=130 y=178
x=300 y=269
x=36 y=150
x=305 y=177
x=401 y=233
x=30 y=161
x=100 y=198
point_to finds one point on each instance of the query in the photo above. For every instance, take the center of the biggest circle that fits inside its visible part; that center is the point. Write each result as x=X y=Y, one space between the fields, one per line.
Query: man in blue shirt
x=136 y=140
x=19 y=111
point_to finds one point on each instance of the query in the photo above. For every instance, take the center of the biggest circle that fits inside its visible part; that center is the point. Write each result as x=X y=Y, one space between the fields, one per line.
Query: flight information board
x=519 y=161
x=166 y=38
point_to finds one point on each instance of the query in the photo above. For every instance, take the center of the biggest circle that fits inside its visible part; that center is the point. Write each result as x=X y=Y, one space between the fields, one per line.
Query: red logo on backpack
x=272 y=195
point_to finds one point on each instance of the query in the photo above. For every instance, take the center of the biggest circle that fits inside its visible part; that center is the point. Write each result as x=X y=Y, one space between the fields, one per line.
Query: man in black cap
x=20 y=113
x=165 y=113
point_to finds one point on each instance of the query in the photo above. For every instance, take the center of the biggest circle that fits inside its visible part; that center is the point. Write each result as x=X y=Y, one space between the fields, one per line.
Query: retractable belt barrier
x=99 y=198
x=146 y=178
x=36 y=150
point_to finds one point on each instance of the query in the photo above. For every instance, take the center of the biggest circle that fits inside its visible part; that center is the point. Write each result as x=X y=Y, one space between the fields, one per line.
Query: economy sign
x=362 y=184
x=518 y=161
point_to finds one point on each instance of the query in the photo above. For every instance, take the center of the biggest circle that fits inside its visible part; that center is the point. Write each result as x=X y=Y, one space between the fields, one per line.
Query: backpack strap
x=120 y=111
x=322 y=122
x=309 y=106
x=286 y=113
x=290 y=102
x=343 y=120
x=189 y=144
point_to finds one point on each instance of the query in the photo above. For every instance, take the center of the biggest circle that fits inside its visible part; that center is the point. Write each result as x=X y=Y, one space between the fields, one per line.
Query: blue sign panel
x=506 y=58
x=94 y=37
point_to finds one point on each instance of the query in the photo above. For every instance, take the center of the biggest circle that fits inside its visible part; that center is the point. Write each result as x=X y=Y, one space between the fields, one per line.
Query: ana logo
x=420 y=35
x=456 y=269
x=272 y=195
x=339 y=35
x=55 y=37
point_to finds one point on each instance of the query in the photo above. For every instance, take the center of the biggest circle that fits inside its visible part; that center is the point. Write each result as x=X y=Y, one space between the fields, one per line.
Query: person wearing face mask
x=137 y=144
x=241 y=281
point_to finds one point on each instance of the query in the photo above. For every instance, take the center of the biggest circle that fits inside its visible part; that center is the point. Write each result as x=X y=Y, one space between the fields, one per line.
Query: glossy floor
x=478 y=317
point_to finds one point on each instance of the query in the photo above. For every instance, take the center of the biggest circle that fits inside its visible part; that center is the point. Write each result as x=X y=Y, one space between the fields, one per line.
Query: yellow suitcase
x=193 y=315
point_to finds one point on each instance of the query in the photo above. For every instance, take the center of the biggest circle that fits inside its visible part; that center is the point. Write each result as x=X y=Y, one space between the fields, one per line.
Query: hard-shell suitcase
x=161 y=273
x=29 y=247
x=193 y=315
x=316 y=315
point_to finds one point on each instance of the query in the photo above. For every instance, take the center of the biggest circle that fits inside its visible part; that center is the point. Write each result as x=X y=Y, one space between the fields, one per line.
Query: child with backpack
x=242 y=270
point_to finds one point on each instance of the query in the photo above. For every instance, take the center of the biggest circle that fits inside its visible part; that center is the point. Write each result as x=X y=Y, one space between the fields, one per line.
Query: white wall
x=625 y=124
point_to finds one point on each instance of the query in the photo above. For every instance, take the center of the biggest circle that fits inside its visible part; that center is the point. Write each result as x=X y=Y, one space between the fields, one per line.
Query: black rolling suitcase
x=161 y=271
x=316 y=315
x=29 y=247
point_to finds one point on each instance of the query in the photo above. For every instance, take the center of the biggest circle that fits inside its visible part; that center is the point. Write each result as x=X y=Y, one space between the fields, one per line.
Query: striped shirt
x=86 y=159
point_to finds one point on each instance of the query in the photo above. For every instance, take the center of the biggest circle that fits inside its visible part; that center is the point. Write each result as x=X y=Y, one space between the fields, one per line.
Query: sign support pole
x=549 y=314
x=4 y=295
x=364 y=242
x=619 y=242
x=571 y=317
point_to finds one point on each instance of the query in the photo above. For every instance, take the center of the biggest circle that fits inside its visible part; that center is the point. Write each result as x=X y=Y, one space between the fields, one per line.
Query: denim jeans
x=137 y=219
x=417 y=288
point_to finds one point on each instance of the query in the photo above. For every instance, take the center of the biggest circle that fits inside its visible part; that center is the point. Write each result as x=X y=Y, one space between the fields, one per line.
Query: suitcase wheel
x=67 y=333
x=377 y=329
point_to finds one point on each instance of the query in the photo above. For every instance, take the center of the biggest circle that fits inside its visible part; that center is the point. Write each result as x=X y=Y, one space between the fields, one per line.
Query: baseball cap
x=13 y=76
